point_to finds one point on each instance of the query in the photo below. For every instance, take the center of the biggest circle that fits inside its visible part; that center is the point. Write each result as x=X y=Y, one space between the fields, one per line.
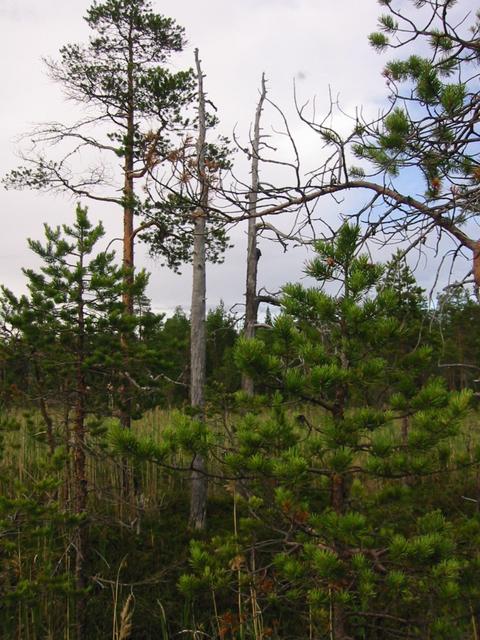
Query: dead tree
x=429 y=131
x=253 y=252
x=199 y=489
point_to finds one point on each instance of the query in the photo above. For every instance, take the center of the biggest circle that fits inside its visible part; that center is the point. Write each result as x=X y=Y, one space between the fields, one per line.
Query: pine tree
x=339 y=517
x=418 y=160
x=72 y=321
x=429 y=129
x=136 y=106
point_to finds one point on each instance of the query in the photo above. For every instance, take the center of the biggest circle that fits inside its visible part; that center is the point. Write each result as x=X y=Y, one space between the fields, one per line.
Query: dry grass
x=126 y=615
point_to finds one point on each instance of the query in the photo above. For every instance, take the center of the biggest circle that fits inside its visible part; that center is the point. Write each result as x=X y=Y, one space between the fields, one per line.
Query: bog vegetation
x=308 y=470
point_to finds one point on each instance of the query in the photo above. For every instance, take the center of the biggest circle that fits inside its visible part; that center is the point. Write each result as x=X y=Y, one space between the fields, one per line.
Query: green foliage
x=388 y=23
x=432 y=98
x=74 y=306
x=452 y=98
x=33 y=529
x=329 y=482
x=122 y=75
x=397 y=129
x=379 y=41
x=86 y=71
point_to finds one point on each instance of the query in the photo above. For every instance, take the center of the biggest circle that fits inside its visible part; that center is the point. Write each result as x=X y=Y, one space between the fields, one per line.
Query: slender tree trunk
x=80 y=477
x=129 y=483
x=128 y=236
x=199 y=489
x=251 y=303
x=128 y=265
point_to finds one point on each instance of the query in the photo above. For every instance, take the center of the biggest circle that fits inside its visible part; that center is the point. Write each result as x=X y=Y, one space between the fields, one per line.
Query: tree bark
x=476 y=267
x=251 y=302
x=129 y=482
x=128 y=235
x=199 y=487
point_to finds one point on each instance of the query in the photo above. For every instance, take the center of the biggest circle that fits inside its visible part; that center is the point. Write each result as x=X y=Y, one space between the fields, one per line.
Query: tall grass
x=133 y=569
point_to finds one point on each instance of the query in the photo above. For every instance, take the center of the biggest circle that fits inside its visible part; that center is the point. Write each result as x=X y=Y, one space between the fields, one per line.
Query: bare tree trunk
x=251 y=303
x=198 y=499
x=199 y=488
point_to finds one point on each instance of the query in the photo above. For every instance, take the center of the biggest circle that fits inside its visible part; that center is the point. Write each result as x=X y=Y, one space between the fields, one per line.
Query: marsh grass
x=134 y=569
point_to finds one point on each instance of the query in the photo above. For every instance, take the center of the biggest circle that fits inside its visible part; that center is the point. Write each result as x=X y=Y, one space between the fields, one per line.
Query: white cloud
x=321 y=44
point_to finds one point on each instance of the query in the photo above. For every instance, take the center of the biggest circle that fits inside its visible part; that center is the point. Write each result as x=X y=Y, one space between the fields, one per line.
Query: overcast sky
x=319 y=43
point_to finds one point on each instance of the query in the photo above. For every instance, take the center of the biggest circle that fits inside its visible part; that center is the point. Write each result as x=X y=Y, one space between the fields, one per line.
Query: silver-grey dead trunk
x=251 y=301
x=199 y=488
